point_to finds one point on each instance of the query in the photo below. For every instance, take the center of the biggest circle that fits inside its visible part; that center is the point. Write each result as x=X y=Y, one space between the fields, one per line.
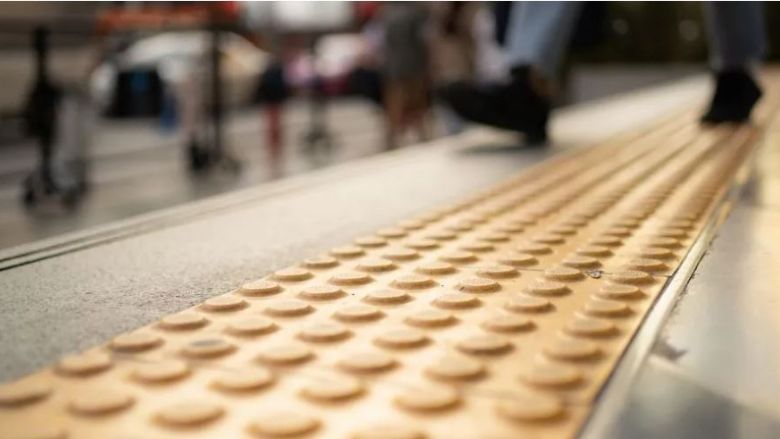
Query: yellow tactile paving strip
x=498 y=317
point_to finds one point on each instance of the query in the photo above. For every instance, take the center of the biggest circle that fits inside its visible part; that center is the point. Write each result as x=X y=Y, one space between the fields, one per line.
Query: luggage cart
x=61 y=119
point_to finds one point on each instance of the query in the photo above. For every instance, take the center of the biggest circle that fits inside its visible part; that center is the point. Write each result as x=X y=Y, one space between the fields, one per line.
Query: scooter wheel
x=200 y=159
x=71 y=198
x=28 y=197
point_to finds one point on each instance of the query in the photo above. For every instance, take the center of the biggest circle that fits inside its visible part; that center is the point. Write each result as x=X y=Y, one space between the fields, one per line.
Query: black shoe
x=736 y=92
x=513 y=106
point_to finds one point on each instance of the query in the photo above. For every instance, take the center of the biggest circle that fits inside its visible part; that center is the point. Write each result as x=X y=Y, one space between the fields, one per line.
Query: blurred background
x=114 y=109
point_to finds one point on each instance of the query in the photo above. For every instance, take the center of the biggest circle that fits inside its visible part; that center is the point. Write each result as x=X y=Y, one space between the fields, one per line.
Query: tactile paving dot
x=663 y=242
x=286 y=354
x=324 y=332
x=161 y=372
x=581 y=262
x=370 y=241
x=456 y=301
x=260 y=288
x=347 y=252
x=621 y=232
x=335 y=388
x=401 y=339
x=41 y=431
x=136 y=341
x=376 y=265
x=183 y=321
x=671 y=232
x=460 y=226
x=620 y=292
x=436 y=268
x=498 y=272
x=395 y=327
x=631 y=277
x=400 y=254
x=422 y=244
x=518 y=260
x=411 y=224
x=388 y=431
x=507 y=323
x=391 y=233
x=551 y=375
x=548 y=288
x=243 y=380
x=494 y=237
x=413 y=282
x=530 y=408
x=357 y=313
x=189 y=414
x=84 y=364
x=527 y=304
x=574 y=222
x=350 y=278
x=321 y=292
x=606 y=241
x=366 y=362
x=564 y=348
x=594 y=250
x=442 y=236
x=430 y=318
x=484 y=344
x=292 y=274
x=320 y=263
x=548 y=238
x=284 y=424
x=646 y=264
x=654 y=253
x=452 y=367
x=479 y=247
x=606 y=308
x=590 y=327
x=23 y=392
x=251 y=325
x=478 y=285
x=510 y=228
x=224 y=303
x=680 y=223
x=534 y=249
x=288 y=308
x=99 y=403
x=564 y=274
x=426 y=399
x=458 y=257
x=387 y=297
x=563 y=230
x=208 y=348
x=629 y=223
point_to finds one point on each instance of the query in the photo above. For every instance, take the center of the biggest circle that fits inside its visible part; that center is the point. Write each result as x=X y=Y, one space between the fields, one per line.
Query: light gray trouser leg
x=736 y=31
x=539 y=32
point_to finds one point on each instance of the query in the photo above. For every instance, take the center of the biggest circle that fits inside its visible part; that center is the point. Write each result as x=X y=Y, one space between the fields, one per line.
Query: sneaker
x=516 y=105
x=736 y=92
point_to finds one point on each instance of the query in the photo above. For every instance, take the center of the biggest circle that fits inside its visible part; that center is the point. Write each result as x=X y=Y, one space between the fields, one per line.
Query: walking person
x=538 y=35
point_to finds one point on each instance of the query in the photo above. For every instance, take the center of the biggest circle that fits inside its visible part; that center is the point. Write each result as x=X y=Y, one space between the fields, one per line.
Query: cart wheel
x=84 y=186
x=71 y=198
x=199 y=158
x=28 y=197
x=231 y=164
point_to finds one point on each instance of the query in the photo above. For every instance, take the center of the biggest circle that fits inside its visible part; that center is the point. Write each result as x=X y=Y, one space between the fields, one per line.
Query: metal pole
x=216 y=89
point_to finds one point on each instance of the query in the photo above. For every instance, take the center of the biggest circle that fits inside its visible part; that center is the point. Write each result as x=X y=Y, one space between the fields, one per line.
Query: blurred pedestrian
x=273 y=91
x=464 y=48
x=538 y=34
x=406 y=70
